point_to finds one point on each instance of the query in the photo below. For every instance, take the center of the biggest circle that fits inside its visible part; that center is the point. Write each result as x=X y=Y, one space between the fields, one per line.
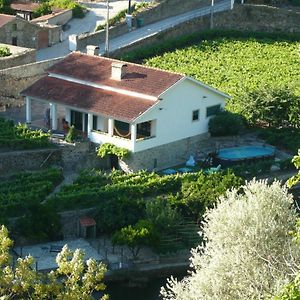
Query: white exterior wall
x=101 y=138
x=173 y=114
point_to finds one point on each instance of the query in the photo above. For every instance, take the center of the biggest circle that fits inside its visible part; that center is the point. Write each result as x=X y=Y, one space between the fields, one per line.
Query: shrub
x=40 y=223
x=71 y=135
x=286 y=164
x=225 y=123
x=110 y=149
x=4 y=51
x=134 y=237
x=43 y=9
x=162 y=215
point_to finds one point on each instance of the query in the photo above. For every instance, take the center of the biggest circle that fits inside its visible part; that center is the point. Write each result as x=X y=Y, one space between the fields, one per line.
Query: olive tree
x=73 y=279
x=248 y=251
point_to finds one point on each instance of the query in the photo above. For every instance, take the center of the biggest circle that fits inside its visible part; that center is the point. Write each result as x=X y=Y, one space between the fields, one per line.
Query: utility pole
x=212 y=14
x=107 y=30
x=129 y=7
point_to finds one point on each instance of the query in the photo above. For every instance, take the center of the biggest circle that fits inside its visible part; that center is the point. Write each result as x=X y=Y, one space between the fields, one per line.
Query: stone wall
x=98 y=37
x=258 y=18
x=165 y=155
x=20 y=56
x=17 y=161
x=70 y=220
x=81 y=155
x=24 y=32
x=170 y=8
x=176 y=153
x=163 y=10
x=14 y=80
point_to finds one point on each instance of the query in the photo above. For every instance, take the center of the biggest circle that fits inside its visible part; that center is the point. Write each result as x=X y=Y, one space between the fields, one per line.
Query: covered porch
x=98 y=128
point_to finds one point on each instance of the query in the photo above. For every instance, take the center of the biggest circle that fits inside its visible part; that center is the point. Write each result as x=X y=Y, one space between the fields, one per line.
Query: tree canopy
x=248 y=251
x=73 y=279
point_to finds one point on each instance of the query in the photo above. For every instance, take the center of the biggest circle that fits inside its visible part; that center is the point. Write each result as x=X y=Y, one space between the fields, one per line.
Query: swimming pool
x=236 y=155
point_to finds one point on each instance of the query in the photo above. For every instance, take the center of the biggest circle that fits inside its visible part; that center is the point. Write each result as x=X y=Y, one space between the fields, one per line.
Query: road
x=154 y=28
x=97 y=13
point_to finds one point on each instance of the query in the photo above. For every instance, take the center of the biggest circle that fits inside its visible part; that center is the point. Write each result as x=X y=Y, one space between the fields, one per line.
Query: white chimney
x=118 y=70
x=92 y=50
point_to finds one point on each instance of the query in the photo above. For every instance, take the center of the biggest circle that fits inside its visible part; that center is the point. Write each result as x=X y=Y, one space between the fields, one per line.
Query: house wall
x=24 y=31
x=61 y=18
x=167 y=155
x=29 y=35
x=173 y=114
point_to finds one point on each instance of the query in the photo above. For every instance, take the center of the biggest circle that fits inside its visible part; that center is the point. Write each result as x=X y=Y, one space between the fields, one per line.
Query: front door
x=76 y=119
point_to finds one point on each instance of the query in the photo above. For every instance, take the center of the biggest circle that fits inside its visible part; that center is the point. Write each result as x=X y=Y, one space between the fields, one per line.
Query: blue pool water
x=245 y=152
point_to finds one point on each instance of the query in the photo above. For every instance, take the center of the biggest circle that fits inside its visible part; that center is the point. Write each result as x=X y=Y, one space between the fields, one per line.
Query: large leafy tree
x=248 y=251
x=74 y=278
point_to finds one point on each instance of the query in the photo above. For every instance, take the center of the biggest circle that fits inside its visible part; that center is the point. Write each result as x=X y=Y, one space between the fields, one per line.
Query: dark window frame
x=196 y=115
x=213 y=110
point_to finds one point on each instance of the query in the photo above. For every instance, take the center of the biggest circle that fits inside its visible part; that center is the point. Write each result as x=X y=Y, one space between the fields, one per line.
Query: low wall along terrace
x=257 y=18
x=18 y=161
x=14 y=80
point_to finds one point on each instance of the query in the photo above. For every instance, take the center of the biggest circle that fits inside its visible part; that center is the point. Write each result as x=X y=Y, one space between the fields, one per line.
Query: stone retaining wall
x=14 y=80
x=163 y=10
x=29 y=160
x=257 y=18
x=176 y=153
x=70 y=220
x=18 y=58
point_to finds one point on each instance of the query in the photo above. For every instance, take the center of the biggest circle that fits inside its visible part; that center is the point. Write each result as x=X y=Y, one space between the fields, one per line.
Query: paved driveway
x=96 y=13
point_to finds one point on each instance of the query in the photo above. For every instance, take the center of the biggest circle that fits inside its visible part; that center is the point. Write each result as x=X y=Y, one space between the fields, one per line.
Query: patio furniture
x=191 y=162
x=169 y=171
x=56 y=248
x=213 y=170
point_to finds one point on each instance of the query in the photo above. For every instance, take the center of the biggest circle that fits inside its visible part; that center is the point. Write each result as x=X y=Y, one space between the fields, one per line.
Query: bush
x=43 y=9
x=40 y=223
x=162 y=215
x=4 y=51
x=284 y=138
x=110 y=149
x=134 y=237
x=225 y=123
x=286 y=165
x=19 y=136
x=71 y=136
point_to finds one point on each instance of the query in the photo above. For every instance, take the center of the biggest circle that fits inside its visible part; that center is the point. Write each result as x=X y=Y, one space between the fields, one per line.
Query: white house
x=155 y=114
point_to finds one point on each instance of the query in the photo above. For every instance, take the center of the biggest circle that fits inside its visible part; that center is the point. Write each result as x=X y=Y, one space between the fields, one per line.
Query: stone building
x=18 y=32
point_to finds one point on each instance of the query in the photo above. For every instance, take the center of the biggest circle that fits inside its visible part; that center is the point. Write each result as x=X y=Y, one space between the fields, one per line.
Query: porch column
x=83 y=122
x=111 y=125
x=54 y=116
x=89 y=124
x=133 y=135
x=68 y=115
x=28 y=110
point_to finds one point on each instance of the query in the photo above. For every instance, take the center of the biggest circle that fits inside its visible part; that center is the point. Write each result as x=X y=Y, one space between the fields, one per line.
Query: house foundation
x=168 y=155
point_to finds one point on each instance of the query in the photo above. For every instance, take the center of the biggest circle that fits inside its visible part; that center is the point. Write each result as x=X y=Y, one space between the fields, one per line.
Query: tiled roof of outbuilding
x=4 y=19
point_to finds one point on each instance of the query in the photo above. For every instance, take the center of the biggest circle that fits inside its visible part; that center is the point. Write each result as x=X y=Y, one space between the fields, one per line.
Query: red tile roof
x=86 y=221
x=110 y=104
x=4 y=19
x=97 y=69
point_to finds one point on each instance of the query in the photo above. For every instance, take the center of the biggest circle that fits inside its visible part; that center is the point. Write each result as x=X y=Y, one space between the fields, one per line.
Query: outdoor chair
x=213 y=170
